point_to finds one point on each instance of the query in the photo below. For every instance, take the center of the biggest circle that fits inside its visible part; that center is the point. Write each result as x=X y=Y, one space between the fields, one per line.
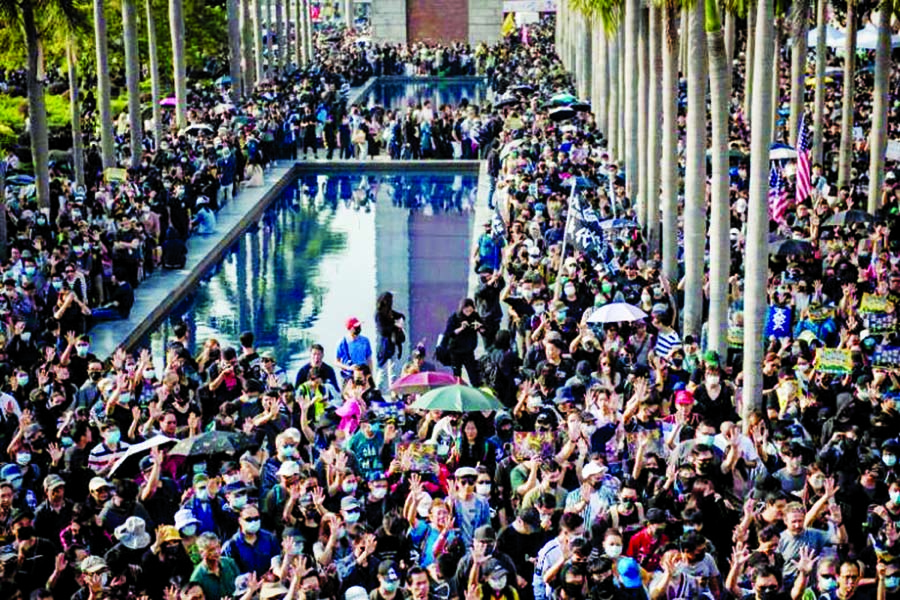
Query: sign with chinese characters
x=778 y=322
x=834 y=361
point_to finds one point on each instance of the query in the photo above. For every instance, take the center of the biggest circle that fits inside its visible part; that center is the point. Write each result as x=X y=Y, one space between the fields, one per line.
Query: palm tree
x=26 y=13
x=643 y=117
x=819 y=120
x=632 y=30
x=695 y=173
x=75 y=103
x=845 y=157
x=600 y=75
x=176 y=28
x=234 y=49
x=279 y=36
x=132 y=79
x=878 y=140
x=749 y=60
x=654 y=137
x=261 y=73
x=799 y=26
x=299 y=29
x=757 y=252
x=719 y=239
x=249 y=64
x=104 y=102
x=669 y=174
x=154 y=74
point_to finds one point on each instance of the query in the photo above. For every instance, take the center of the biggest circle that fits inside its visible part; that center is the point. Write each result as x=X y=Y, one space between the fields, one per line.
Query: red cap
x=353 y=322
x=684 y=397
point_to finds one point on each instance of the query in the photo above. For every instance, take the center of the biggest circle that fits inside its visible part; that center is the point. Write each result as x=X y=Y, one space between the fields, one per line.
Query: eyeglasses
x=467 y=480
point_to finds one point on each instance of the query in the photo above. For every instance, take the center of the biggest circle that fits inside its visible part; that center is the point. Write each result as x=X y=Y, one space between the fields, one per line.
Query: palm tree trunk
x=757 y=251
x=695 y=174
x=612 y=108
x=620 y=42
x=684 y=41
x=75 y=105
x=3 y=232
x=584 y=51
x=132 y=80
x=776 y=81
x=249 y=63
x=288 y=52
x=37 y=113
x=299 y=47
x=279 y=36
x=719 y=239
x=600 y=78
x=847 y=108
x=669 y=48
x=798 y=67
x=643 y=90
x=348 y=13
x=878 y=139
x=819 y=124
x=749 y=57
x=631 y=34
x=154 y=74
x=654 y=106
x=258 y=40
x=271 y=62
x=730 y=36
x=310 y=35
x=176 y=28
x=234 y=48
x=104 y=103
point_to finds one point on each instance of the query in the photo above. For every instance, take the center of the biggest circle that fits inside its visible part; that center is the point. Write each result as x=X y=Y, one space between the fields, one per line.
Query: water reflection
x=324 y=251
x=399 y=94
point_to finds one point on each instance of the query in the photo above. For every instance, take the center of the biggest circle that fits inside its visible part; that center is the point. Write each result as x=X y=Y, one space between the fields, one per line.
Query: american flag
x=778 y=197
x=804 y=141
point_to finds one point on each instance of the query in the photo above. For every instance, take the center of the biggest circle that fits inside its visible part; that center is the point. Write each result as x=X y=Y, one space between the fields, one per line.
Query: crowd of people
x=621 y=464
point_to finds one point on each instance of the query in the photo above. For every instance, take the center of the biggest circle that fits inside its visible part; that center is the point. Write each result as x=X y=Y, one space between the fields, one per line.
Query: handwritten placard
x=528 y=445
x=834 y=361
x=417 y=456
x=872 y=303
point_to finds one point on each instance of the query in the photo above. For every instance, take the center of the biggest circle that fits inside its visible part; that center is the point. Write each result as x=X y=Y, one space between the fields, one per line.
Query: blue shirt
x=256 y=558
x=354 y=352
x=203 y=512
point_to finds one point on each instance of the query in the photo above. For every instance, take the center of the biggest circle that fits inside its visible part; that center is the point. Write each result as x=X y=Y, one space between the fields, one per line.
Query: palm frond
x=738 y=8
x=798 y=17
x=609 y=12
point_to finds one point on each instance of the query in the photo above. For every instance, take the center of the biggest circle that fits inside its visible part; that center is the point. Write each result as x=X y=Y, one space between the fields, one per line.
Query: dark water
x=399 y=94
x=325 y=250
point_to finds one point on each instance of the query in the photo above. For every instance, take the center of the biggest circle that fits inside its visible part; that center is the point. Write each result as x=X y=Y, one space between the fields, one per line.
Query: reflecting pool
x=394 y=94
x=325 y=250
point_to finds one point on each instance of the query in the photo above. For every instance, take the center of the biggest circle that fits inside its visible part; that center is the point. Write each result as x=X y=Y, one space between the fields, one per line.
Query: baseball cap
x=288 y=468
x=92 y=564
x=53 y=481
x=465 y=472
x=97 y=483
x=352 y=322
x=590 y=469
x=388 y=569
x=485 y=533
x=684 y=397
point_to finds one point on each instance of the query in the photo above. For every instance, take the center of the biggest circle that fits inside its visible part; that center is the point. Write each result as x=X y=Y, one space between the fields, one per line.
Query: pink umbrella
x=419 y=383
x=170 y=101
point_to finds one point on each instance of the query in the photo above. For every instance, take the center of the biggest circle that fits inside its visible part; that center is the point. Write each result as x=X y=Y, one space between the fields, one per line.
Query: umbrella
x=419 y=383
x=617 y=312
x=243 y=119
x=781 y=152
x=563 y=99
x=522 y=88
x=19 y=180
x=140 y=449
x=790 y=247
x=618 y=224
x=561 y=113
x=197 y=128
x=222 y=108
x=580 y=107
x=505 y=101
x=456 y=398
x=170 y=101
x=223 y=80
x=510 y=146
x=209 y=443
x=848 y=217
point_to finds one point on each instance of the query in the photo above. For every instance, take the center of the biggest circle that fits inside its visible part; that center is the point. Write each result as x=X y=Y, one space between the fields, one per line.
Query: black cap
x=656 y=516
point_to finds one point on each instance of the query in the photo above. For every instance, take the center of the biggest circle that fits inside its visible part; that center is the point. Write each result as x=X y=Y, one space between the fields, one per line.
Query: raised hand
x=55 y=452
x=806 y=560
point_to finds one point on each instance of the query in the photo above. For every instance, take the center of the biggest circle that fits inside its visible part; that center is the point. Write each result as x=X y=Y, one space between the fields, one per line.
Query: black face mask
x=96 y=376
x=573 y=590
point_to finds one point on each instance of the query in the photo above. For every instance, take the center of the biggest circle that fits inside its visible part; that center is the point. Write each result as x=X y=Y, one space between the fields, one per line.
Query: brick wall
x=438 y=20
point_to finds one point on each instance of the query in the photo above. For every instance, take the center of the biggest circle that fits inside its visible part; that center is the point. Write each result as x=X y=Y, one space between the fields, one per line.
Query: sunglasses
x=251 y=519
x=468 y=480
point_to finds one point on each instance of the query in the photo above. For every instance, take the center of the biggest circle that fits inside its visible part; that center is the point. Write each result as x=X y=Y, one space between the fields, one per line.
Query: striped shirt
x=666 y=341
x=548 y=556
x=102 y=457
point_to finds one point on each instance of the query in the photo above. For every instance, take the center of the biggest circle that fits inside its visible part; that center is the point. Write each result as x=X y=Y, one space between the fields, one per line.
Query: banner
x=887 y=358
x=893 y=150
x=834 y=361
x=881 y=322
x=529 y=444
x=586 y=234
x=114 y=174
x=875 y=304
x=419 y=457
x=778 y=322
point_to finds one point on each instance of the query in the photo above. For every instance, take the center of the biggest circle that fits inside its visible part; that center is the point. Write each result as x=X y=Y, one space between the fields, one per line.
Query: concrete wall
x=485 y=20
x=388 y=18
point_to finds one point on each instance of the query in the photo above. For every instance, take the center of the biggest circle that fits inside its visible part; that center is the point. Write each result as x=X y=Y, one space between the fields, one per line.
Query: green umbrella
x=563 y=99
x=456 y=398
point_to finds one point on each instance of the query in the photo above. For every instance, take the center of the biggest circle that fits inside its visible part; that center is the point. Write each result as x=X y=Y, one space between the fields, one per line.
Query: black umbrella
x=790 y=247
x=848 y=217
x=505 y=101
x=522 y=88
x=210 y=443
x=562 y=113
x=580 y=107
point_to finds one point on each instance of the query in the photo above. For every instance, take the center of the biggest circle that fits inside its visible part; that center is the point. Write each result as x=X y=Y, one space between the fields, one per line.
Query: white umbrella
x=867 y=38
x=782 y=153
x=222 y=108
x=510 y=146
x=834 y=37
x=617 y=312
x=197 y=127
x=145 y=446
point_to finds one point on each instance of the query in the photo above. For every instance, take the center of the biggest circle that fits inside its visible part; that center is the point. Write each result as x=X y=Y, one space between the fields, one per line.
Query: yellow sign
x=834 y=360
x=114 y=174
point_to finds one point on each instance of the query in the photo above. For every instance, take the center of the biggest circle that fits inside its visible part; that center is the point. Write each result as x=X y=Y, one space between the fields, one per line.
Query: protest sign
x=875 y=304
x=778 y=322
x=892 y=152
x=418 y=456
x=834 y=361
x=528 y=445
x=887 y=358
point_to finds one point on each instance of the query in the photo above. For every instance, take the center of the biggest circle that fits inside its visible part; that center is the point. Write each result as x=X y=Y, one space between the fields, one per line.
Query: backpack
x=489 y=365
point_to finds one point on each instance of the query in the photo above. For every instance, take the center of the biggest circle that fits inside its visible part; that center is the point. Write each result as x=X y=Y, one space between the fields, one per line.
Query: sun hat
x=92 y=564
x=183 y=518
x=133 y=533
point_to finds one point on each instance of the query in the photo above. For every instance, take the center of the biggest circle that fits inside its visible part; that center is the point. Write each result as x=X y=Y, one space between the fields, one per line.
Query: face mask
x=125 y=398
x=82 y=350
x=889 y=460
x=201 y=495
x=42 y=221
x=483 y=489
x=95 y=376
x=390 y=586
x=57 y=285
x=351 y=517
x=349 y=487
x=239 y=502
x=892 y=582
x=528 y=294
x=23 y=380
x=149 y=374
x=29 y=271
x=497 y=583
x=287 y=453
x=104 y=578
x=538 y=309
x=443 y=449
x=895 y=497
x=712 y=380
x=379 y=493
x=612 y=550
x=767 y=594
x=677 y=362
x=251 y=527
x=113 y=437
x=707 y=440
x=23 y=458
x=26 y=336
x=569 y=290
x=189 y=530
x=829 y=585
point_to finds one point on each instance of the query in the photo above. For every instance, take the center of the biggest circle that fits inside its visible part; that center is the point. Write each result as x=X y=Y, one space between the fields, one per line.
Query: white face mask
x=483 y=489
x=379 y=492
x=712 y=380
x=612 y=550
